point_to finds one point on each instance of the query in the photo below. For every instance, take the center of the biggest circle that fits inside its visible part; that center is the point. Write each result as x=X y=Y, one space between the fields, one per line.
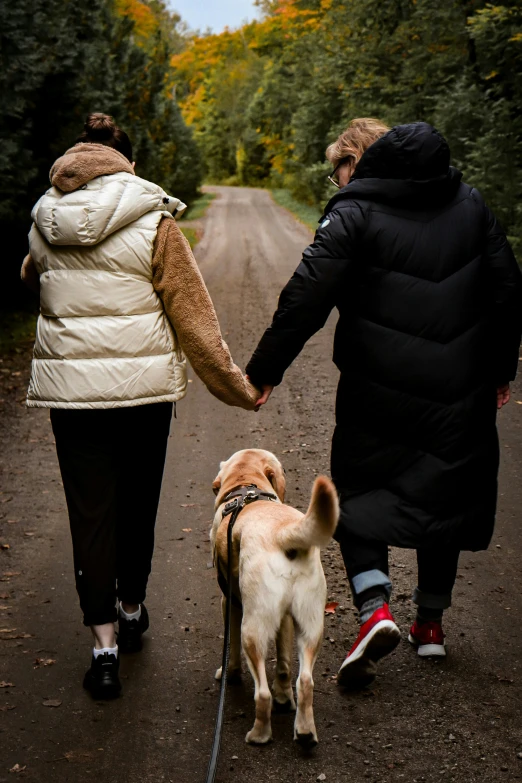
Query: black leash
x=241 y=497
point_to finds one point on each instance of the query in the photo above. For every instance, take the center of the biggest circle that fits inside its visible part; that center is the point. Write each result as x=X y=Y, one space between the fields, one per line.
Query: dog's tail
x=318 y=525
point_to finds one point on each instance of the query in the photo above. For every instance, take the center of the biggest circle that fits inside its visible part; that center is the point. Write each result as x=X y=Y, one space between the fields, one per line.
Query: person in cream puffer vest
x=122 y=302
x=84 y=356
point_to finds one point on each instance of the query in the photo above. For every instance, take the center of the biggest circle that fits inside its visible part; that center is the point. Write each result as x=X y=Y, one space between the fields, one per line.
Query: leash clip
x=250 y=496
x=230 y=506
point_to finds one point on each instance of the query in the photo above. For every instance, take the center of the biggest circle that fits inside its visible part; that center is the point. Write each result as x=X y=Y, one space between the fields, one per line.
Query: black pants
x=112 y=463
x=366 y=565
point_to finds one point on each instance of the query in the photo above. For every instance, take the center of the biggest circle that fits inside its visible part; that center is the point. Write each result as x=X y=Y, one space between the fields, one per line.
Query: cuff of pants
x=100 y=617
x=374 y=578
x=431 y=600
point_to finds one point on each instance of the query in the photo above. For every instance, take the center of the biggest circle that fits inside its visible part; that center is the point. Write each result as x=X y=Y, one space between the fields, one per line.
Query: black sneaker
x=130 y=631
x=102 y=679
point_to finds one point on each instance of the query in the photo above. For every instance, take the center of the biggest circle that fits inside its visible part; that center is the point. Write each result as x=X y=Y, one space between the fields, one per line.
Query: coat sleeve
x=507 y=302
x=178 y=282
x=29 y=275
x=310 y=295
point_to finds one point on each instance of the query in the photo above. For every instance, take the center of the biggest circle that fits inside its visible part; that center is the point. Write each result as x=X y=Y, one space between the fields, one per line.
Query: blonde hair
x=355 y=140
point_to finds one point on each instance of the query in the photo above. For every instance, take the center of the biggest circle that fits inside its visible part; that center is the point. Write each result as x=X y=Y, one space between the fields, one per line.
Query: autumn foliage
x=265 y=100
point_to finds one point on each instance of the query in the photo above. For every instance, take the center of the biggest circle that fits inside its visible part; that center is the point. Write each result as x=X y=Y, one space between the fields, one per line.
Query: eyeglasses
x=331 y=176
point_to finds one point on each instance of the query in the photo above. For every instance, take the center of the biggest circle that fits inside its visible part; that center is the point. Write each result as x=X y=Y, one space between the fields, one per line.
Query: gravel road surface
x=422 y=721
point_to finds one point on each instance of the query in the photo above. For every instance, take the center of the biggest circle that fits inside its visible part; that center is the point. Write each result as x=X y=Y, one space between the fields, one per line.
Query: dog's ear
x=276 y=477
x=216 y=484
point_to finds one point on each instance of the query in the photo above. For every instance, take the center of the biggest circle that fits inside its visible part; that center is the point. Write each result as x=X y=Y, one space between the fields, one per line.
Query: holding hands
x=266 y=391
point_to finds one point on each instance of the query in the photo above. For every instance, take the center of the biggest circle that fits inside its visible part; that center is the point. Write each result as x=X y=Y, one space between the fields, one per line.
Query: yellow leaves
x=491 y=75
x=515 y=38
x=145 y=23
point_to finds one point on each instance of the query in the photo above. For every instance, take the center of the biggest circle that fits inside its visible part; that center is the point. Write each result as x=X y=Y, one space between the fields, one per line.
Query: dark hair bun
x=99 y=127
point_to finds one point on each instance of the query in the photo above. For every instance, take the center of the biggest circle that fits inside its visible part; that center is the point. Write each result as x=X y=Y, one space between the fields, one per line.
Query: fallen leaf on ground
x=43 y=662
x=78 y=755
x=17 y=768
x=7 y=630
x=7 y=707
x=5 y=546
x=5 y=684
x=17 y=636
x=29 y=534
x=187 y=529
x=8 y=574
x=52 y=703
x=188 y=505
x=4 y=596
x=331 y=607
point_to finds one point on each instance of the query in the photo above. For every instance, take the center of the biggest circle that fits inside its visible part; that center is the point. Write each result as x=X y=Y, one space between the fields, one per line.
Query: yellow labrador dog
x=278 y=583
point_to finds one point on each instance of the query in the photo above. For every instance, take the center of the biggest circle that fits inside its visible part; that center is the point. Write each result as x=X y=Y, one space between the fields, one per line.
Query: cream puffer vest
x=103 y=339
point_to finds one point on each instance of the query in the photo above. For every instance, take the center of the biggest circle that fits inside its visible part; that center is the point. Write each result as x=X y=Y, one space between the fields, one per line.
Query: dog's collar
x=243 y=494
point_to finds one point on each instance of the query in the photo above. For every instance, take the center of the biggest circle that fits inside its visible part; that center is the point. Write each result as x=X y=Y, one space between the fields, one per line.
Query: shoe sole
x=428 y=650
x=359 y=669
x=103 y=692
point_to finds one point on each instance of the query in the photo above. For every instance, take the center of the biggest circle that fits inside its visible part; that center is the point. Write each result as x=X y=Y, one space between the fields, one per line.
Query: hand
x=266 y=392
x=503 y=395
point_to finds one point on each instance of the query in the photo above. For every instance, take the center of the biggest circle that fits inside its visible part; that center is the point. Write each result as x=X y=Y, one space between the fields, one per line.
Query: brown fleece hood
x=84 y=162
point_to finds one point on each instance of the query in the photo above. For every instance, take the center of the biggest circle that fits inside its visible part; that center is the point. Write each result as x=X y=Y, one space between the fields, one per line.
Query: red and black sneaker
x=428 y=638
x=378 y=636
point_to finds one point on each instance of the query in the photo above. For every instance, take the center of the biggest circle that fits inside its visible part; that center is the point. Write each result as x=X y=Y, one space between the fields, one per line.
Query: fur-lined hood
x=95 y=193
x=84 y=162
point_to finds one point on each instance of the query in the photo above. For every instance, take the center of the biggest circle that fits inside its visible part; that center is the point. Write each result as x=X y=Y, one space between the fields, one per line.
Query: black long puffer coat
x=430 y=303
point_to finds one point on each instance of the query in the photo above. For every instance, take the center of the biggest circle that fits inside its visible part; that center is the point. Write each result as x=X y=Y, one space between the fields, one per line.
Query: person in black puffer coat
x=429 y=296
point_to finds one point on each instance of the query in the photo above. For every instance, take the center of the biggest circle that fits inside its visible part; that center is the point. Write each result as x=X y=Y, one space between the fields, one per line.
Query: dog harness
x=236 y=500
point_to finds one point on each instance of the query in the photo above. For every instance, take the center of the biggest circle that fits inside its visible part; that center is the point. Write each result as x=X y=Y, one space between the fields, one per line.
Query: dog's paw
x=306 y=741
x=255 y=737
x=219 y=674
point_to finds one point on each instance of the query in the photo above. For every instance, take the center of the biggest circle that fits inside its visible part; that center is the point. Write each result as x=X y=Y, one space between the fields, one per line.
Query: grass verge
x=191 y=234
x=303 y=212
x=199 y=206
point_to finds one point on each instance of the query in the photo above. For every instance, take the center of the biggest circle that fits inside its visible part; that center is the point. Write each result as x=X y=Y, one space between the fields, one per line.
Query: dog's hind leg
x=304 y=728
x=255 y=652
x=282 y=686
x=234 y=663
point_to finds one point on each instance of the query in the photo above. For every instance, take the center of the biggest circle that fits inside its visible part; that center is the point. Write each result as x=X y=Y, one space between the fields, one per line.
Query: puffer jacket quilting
x=103 y=338
x=430 y=315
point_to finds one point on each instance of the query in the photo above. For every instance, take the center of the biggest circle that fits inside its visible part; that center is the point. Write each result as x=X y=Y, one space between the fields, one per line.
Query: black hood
x=408 y=165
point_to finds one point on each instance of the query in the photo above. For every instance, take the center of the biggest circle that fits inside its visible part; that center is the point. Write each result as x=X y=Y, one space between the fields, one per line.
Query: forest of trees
x=60 y=60
x=259 y=104
x=264 y=101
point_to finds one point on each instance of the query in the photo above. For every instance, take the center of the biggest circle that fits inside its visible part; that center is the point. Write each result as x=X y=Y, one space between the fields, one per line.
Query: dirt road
x=453 y=721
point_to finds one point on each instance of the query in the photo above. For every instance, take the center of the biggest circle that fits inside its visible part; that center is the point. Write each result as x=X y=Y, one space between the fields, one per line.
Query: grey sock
x=369 y=607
